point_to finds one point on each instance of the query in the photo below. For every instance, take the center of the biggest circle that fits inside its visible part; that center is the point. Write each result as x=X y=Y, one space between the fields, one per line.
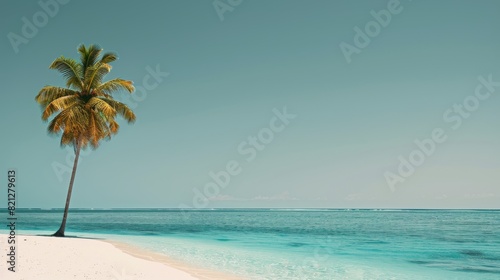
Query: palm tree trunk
x=62 y=228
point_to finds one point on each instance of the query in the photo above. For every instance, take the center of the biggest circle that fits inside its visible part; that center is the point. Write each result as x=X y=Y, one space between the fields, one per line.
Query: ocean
x=300 y=243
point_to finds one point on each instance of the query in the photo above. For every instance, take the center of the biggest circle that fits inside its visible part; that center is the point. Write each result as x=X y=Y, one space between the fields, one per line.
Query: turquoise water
x=302 y=244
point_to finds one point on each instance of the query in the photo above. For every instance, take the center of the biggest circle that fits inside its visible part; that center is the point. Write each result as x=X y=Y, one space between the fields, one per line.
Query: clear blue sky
x=353 y=120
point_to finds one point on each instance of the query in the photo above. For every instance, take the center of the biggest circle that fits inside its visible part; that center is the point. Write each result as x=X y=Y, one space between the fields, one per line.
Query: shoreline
x=146 y=254
x=46 y=257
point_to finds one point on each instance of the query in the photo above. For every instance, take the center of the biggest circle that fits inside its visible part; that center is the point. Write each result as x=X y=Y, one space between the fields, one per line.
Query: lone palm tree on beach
x=85 y=109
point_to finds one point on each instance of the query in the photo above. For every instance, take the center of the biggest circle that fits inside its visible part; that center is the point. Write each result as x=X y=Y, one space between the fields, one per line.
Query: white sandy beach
x=51 y=258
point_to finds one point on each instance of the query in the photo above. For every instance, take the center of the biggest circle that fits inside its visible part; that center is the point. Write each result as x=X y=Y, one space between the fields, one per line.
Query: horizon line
x=244 y=208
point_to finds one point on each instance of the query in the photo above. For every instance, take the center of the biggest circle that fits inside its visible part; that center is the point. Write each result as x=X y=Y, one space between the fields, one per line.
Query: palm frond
x=67 y=138
x=71 y=71
x=101 y=106
x=57 y=124
x=122 y=109
x=89 y=56
x=113 y=126
x=59 y=105
x=115 y=85
x=109 y=57
x=94 y=131
x=95 y=74
x=50 y=93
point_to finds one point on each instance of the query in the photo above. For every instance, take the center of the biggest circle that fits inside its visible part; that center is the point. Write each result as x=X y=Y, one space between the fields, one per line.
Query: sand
x=52 y=258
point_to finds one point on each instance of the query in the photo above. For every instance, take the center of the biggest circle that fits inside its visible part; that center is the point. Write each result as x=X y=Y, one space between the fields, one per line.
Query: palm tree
x=85 y=109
